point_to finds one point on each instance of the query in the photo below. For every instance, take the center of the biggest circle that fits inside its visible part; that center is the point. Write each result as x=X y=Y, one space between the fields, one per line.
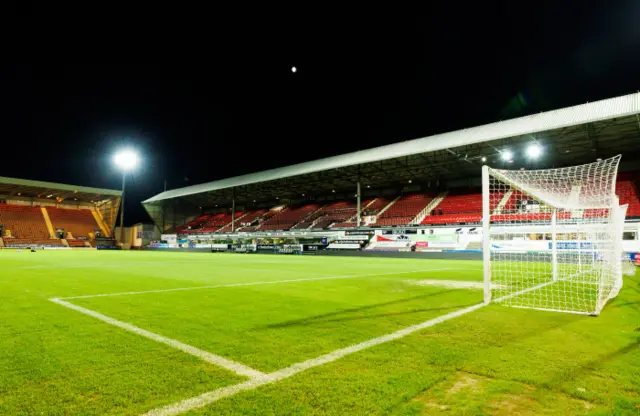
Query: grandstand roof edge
x=565 y=117
x=58 y=186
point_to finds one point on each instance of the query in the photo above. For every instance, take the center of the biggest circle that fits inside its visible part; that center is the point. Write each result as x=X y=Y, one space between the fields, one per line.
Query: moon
x=294 y=69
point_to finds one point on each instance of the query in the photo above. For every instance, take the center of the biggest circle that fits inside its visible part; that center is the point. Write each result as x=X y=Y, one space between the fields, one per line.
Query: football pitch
x=154 y=333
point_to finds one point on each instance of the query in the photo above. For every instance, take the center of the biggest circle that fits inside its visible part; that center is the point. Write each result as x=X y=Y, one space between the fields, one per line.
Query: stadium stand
x=23 y=221
x=459 y=206
x=76 y=243
x=242 y=219
x=252 y=217
x=218 y=221
x=339 y=211
x=287 y=218
x=78 y=222
x=344 y=225
x=375 y=206
x=193 y=225
x=303 y=225
x=404 y=209
x=29 y=242
x=628 y=193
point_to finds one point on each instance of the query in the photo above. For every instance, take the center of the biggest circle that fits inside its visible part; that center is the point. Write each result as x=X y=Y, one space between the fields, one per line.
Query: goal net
x=552 y=239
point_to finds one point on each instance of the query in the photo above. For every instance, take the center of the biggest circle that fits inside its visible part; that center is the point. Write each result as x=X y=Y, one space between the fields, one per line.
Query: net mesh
x=555 y=237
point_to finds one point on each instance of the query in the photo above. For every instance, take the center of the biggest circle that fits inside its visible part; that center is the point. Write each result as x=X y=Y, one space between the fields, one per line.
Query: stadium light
x=506 y=155
x=126 y=160
x=534 y=151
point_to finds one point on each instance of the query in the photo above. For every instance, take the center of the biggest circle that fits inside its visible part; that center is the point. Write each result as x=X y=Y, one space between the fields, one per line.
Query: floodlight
x=506 y=155
x=126 y=159
x=534 y=151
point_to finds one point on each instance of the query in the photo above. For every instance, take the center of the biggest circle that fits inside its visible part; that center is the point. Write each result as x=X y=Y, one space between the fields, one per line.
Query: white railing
x=387 y=207
x=431 y=205
x=503 y=202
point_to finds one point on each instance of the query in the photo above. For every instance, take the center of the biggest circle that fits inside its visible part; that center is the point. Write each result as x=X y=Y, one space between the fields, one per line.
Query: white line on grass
x=259 y=283
x=456 y=284
x=215 y=395
x=203 y=355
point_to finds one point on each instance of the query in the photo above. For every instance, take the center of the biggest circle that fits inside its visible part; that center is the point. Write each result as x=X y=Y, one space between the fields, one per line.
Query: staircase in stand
x=432 y=205
x=47 y=221
x=100 y=221
x=387 y=207
x=503 y=202
x=355 y=217
x=232 y=221
x=307 y=217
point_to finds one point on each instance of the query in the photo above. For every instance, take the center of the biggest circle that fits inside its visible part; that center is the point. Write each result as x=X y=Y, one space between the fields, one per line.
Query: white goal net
x=552 y=239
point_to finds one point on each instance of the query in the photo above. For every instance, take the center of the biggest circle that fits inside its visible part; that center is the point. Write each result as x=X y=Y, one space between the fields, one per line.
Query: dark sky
x=222 y=101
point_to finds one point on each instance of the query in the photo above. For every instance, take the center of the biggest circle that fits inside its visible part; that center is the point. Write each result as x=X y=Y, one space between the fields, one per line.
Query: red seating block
x=78 y=222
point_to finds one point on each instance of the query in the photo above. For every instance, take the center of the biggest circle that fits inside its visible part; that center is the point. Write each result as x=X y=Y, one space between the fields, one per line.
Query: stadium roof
x=57 y=191
x=600 y=128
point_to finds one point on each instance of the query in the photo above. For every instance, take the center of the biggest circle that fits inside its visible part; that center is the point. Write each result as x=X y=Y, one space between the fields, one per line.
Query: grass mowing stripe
x=230 y=365
x=215 y=395
x=256 y=283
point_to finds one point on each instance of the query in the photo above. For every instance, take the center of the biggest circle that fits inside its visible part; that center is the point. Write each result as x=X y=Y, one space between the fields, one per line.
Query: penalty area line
x=309 y=279
x=214 y=359
x=215 y=395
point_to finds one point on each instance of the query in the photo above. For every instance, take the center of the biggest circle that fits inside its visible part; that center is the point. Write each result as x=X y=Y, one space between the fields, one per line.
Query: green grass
x=496 y=360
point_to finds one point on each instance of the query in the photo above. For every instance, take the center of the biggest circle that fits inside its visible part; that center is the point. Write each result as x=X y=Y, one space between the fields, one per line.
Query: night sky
x=222 y=101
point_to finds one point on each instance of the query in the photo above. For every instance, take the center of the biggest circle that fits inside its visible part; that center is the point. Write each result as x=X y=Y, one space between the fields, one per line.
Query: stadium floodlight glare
x=126 y=159
x=506 y=155
x=534 y=151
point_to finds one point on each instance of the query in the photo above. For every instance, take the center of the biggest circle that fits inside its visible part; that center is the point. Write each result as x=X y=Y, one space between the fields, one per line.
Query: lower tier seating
x=452 y=219
x=28 y=242
x=76 y=243
x=23 y=221
x=460 y=206
x=287 y=218
x=78 y=222
x=404 y=210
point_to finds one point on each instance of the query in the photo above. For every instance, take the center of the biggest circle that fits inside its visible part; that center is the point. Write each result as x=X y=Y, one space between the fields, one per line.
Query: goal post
x=552 y=239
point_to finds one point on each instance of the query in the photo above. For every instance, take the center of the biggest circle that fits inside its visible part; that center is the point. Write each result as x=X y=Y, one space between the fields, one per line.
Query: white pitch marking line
x=203 y=355
x=215 y=395
x=258 y=283
x=456 y=284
